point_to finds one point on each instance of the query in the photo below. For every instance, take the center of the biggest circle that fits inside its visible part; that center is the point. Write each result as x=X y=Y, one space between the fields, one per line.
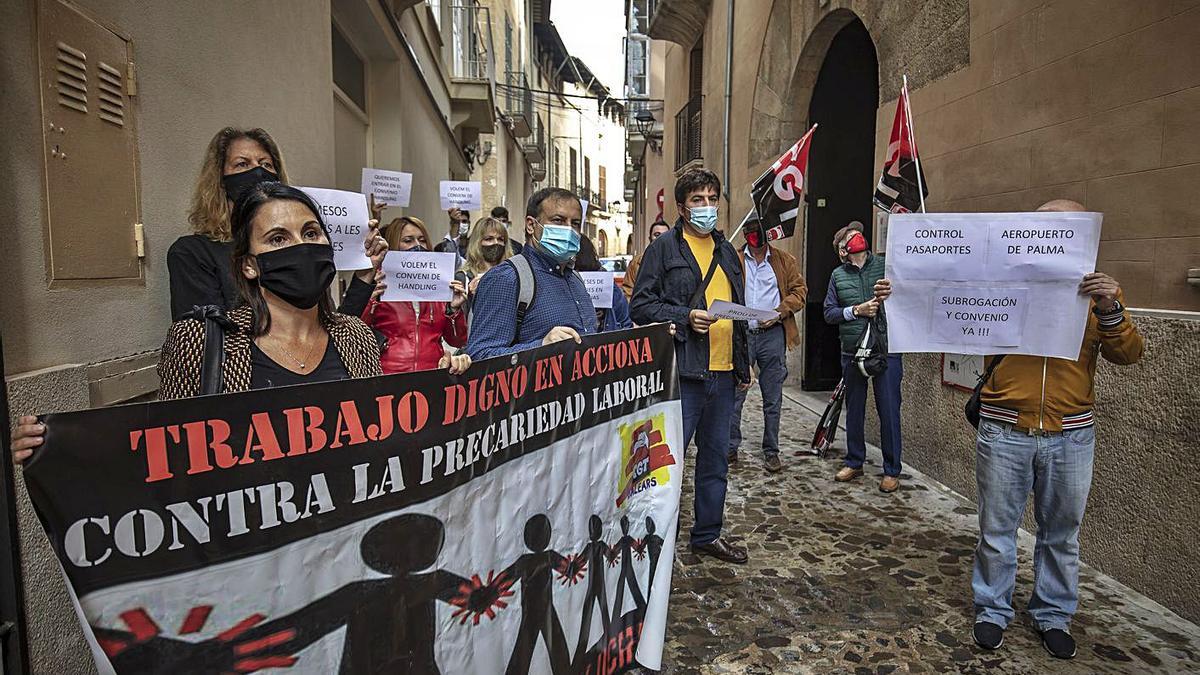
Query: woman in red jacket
x=415 y=330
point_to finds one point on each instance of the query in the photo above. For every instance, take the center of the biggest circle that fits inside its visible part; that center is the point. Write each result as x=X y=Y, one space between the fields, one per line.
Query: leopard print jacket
x=183 y=352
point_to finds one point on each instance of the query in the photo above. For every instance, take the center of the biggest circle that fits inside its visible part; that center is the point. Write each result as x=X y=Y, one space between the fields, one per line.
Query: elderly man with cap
x=856 y=293
x=774 y=282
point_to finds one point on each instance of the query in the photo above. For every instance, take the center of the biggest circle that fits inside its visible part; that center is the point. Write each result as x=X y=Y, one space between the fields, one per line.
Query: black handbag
x=871 y=356
x=216 y=323
x=971 y=409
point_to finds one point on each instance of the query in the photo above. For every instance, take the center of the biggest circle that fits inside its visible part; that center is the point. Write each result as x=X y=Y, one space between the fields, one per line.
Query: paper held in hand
x=393 y=188
x=461 y=194
x=720 y=309
x=413 y=276
x=345 y=214
x=600 y=287
x=989 y=283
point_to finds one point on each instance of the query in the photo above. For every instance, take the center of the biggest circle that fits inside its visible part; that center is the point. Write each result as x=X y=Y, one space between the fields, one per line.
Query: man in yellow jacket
x=1036 y=432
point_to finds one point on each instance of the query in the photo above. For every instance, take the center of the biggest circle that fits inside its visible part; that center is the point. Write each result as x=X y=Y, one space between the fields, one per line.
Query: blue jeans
x=707 y=409
x=1058 y=468
x=767 y=350
x=887 y=404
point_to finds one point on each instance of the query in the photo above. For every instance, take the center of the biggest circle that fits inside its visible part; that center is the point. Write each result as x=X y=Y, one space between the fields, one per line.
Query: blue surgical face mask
x=703 y=218
x=560 y=242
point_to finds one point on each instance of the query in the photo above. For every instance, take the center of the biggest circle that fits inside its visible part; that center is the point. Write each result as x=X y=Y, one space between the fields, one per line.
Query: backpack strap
x=526 y=287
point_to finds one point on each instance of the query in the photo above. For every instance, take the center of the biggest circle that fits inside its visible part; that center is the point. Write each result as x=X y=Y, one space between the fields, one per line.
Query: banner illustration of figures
x=779 y=192
x=381 y=525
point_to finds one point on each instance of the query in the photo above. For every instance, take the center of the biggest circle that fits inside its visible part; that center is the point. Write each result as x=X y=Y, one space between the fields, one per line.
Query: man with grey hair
x=1036 y=433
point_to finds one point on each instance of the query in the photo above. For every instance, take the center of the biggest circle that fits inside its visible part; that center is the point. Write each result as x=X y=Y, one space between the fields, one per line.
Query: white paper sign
x=461 y=194
x=721 y=309
x=583 y=204
x=416 y=276
x=989 y=283
x=600 y=287
x=989 y=317
x=393 y=188
x=345 y=214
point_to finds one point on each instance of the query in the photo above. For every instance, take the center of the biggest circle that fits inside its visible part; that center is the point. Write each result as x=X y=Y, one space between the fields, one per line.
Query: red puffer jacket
x=415 y=343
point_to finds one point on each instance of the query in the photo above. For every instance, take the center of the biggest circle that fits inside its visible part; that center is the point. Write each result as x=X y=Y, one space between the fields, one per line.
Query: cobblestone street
x=845 y=579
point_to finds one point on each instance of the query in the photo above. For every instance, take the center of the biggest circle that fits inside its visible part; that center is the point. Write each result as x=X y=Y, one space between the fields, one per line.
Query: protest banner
x=723 y=309
x=345 y=215
x=519 y=517
x=989 y=283
x=393 y=188
x=418 y=276
x=600 y=287
x=461 y=194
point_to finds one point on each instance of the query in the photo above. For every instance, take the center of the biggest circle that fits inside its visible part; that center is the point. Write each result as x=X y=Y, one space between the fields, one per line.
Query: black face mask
x=493 y=252
x=299 y=274
x=237 y=184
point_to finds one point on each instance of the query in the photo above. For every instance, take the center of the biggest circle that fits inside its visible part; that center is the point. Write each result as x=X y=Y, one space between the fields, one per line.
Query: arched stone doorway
x=629 y=245
x=841 y=171
x=602 y=244
x=797 y=45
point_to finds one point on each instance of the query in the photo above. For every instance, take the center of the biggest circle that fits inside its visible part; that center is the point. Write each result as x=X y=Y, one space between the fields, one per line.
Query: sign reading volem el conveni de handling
x=518 y=518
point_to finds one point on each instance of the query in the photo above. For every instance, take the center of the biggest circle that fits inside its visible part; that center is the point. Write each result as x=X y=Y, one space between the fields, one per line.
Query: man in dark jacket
x=712 y=355
x=857 y=290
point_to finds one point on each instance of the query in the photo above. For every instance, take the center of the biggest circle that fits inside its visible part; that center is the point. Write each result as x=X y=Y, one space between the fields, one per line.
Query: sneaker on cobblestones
x=889 y=484
x=988 y=635
x=1059 y=643
x=773 y=464
x=847 y=474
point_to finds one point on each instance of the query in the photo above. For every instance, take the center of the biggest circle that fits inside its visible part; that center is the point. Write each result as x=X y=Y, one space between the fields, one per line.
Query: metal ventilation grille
x=112 y=95
x=72 y=78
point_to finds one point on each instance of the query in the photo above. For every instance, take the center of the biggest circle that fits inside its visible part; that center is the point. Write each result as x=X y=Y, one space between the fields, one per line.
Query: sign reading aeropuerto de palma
x=518 y=518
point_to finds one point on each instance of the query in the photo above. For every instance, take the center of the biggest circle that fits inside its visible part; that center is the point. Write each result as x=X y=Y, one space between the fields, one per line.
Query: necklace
x=299 y=362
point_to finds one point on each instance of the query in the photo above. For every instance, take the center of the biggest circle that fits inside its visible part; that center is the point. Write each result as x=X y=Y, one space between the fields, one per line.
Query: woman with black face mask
x=415 y=330
x=284 y=331
x=487 y=246
x=235 y=161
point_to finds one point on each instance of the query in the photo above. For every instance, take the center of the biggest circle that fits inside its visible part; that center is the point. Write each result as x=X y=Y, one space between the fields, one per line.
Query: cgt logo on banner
x=778 y=193
x=519 y=518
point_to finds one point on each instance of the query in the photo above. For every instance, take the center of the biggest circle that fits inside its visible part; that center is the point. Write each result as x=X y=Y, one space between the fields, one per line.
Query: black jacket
x=666 y=281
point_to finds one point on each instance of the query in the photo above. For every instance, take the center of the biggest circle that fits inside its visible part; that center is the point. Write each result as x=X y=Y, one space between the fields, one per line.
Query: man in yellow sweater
x=1036 y=433
x=682 y=273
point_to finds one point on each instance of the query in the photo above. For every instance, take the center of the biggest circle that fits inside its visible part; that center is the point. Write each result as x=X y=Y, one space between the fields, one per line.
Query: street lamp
x=644 y=121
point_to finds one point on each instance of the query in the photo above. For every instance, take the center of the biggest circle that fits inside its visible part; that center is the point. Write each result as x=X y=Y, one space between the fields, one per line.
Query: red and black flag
x=777 y=194
x=902 y=187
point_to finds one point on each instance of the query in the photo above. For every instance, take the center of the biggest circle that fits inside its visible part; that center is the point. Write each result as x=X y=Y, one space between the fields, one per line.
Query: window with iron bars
x=688 y=122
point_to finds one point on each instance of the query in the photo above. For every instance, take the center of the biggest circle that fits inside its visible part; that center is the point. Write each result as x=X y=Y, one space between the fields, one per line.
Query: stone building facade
x=1015 y=103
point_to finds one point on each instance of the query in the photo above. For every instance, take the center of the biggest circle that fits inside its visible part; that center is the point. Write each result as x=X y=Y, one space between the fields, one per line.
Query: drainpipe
x=728 y=98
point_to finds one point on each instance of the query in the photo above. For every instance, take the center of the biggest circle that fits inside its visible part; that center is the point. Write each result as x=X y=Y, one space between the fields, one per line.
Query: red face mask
x=857 y=243
x=754 y=239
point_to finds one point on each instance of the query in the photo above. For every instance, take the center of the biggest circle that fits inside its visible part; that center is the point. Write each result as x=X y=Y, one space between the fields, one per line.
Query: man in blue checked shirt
x=561 y=308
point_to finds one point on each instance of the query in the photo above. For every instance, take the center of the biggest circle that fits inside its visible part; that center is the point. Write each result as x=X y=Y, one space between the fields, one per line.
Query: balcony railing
x=470 y=37
x=687 y=132
x=518 y=103
x=534 y=146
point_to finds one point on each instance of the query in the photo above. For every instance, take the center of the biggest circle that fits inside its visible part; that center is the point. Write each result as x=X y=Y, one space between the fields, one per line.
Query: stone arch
x=927 y=39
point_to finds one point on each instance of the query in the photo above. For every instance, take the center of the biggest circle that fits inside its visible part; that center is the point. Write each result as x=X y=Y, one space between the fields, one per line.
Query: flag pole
x=912 y=141
x=803 y=188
